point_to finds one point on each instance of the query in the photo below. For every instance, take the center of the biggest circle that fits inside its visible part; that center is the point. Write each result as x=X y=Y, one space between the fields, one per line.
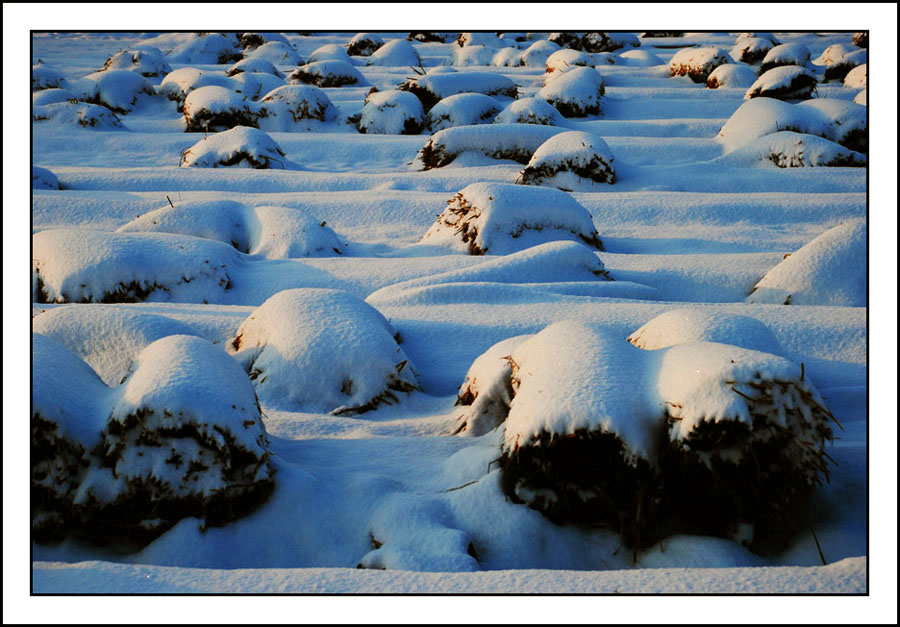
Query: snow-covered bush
x=462 y=110
x=432 y=88
x=275 y=52
x=639 y=58
x=327 y=74
x=751 y=50
x=608 y=42
x=45 y=77
x=509 y=36
x=42 y=178
x=178 y=84
x=829 y=270
x=784 y=54
x=472 y=55
x=118 y=90
x=208 y=48
x=857 y=77
x=240 y=146
x=429 y=36
x=396 y=53
x=329 y=52
x=536 y=54
x=681 y=326
x=566 y=40
x=392 y=112
x=254 y=64
x=214 y=108
x=496 y=141
x=149 y=62
x=500 y=218
x=479 y=39
x=81 y=266
x=322 y=350
x=840 y=68
x=252 y=40
x=566 y=59
x=575 y=93
x=697 y=63
x=530 y=111
x=731 y=75
x=850 y=123
x=506 y=57
x=832 y=54
x=787 y=149
x=77 y=113
x=861 y=39
x=785 y=82
x=51 y=96
x=267 y=231
x=364 y=44
x=290 y=107
x=255 y=85
x=767 y=36
x=574 y=160
x=862 y=97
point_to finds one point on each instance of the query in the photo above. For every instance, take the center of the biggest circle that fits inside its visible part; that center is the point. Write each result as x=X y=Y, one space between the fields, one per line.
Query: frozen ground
x=686 y=225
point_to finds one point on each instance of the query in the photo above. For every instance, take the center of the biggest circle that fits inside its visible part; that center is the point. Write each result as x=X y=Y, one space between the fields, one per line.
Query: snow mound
x=255 y=65
x=208 y=48
x=850 y=123
x=858 y=77
x=862 y=97
x=462 y=110
x=364 y=44
x=608 y=42
x=275 y=52
x=267 y=231
x=510 y=36
x=840 y=68
x=573 y=160
x=575 y=93
x=45 y=77
x=118 y=90
x=500 y=218
x=731 y=75
x=506 y=57
x=215 y=109
x=106 y=337
x=472 y=55
x=751 y=50
x=496 y=141
x=537 y=54
x=322 y=350
x=292 y=107
x=329 y=52
x=181 y=82
x=240 y=146
x=327 y=74
x=785 y=54
x=252 y=40
x=681 y=326
x=74 y=265
x=767 y=36
x=392 y=112
x=565 y=59
x=639 y=58
x=785 y=82
x=832 y=54
x=51 y=96
x=396 y=53
x=697 y=63
x=489 y=40
x=432 y=88
x=530 y=111
x=148 y=62
x=77 y=113
x=428 y=36
x=42 y=178
x=566 y=39
x=787 y=149
x=829 y=270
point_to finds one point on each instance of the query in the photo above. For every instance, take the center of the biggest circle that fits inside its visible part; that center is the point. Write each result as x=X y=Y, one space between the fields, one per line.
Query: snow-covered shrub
x=857 y=77
x=77 y=113
x=81 y=266
x=566 y=40
x=215 y=109
x=275 y=52
x=392 y=112
x=862 y=97
x=751 y=50
x=785 y=82
x=608 y=42
x=329 y=52
x=327 y=74
x=252 y=40
x=462 y=110
x=500 y=218
x=536 y=54
x=479 y=39
x=496 y=141
x=784 y=54
x=697 y=63
x=289 y=107
x=639 y=58
x=396 y=53
x=268 y=231
x=506 y=37
x=530 y=111
x=850 y=123
x=861 y=39
x=178 y=84
x=118 y=90
x=322 y=350
x=429 y=36
x=787 y=149
x=574 y=160
x=472 y=55
x=51 y=96
x=506 y=57
x=681 y=326
x=840 y=68
x=149 y=62
x=832 y=54
x=208 y=48
x=767 y=36
x=575 y=93
x=240 y=146
x=254 y=64
x=829 y=270
x=255 y=85
x=566 y=59
x=45 y=77
x=364 y=44
x=731 y=75
x=42 y=178
x=432 y=88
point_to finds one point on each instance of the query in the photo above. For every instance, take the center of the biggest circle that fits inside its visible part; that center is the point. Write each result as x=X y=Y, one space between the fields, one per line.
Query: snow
x=731 y=75
x=785 y=54
x=45 y=77
x=397 y=52
x=833 y=54
x=575 y=93
x=42 y=178
x=77 y=115
x=564 y=59
x=499 y=141
x=697 y=63
x=439 y=86
x=787 y=149
x=785 y=82
x=118 y=90
x=255 y=148
x=181 y=82
x=681 y=326
x=254 y=64
x=51 y=96
x=293 y=108
x=857 y=77
x=364 y=44
x=573 y=160
x=829 y=270
x=538 y=53
x=530 y=111
x=329 y=73
x=329 y=52
x=640 y=58
x=275 y=52
x=462 y=110
x=215 y=108
x=149 y=62
x=479 y=39
x=210 y=48
x=862 y=97
x=750 y=49
x=472 y=55
x=392 y=112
